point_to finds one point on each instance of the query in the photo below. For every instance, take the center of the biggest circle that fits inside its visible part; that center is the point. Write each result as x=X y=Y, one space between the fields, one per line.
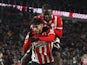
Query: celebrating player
x=41 y=43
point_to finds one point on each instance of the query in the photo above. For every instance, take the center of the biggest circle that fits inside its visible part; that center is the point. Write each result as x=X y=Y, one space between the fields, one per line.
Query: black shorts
x=34 y=63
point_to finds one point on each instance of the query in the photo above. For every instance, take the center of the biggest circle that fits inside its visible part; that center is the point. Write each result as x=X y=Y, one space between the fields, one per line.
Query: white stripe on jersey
x=48 y=60
x=27 y=35
x=51 y=31
x=59 y=28
x=45 y=50
x=52 y=57
x=51 y=46
x=26 y=38
x=34 y=54
x=55 y=21
x=42 y=55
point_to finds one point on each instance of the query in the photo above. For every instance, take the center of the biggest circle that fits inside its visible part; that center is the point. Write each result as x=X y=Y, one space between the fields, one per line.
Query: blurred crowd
x=13 y=29
x=14 y=26
x=74 y=42
x=62 y=5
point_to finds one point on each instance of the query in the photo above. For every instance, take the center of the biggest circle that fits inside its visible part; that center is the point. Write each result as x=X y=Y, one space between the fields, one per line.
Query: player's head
x=36 y=25
x=46 y=12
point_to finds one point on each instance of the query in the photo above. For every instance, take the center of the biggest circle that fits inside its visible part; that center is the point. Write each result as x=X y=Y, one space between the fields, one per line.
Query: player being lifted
x=52 y=21
x=55 y=22
x=41 y=42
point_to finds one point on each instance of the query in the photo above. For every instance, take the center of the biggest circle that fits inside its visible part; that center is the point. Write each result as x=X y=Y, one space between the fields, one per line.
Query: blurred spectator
x=1 y=58
x=84 y=59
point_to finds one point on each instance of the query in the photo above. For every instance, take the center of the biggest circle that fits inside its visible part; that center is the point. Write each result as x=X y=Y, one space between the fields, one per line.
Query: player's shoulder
x=38 y=16
x=27 y=36
x=56 y=16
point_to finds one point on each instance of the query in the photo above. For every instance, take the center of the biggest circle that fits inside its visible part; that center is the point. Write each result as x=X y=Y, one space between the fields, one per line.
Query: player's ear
x=41 y=25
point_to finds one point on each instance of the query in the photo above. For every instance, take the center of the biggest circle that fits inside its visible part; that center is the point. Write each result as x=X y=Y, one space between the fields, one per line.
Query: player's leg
x=50 y=63
x=56 y=52
x=34 y=63
x=57 y=58
x=26 y=58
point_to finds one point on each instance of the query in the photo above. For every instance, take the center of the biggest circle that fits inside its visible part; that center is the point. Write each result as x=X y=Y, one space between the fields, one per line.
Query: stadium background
x=14 y=25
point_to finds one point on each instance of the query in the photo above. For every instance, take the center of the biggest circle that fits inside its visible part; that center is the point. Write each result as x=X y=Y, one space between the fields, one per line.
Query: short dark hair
x=36 y=21
x=46 y=6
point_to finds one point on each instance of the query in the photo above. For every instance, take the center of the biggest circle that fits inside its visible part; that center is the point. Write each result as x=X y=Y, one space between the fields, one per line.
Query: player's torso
x=44 y=46
x=53 y=22
x=42 y=51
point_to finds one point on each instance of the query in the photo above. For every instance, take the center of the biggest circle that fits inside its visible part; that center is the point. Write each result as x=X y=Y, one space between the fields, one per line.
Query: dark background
x=78 y=6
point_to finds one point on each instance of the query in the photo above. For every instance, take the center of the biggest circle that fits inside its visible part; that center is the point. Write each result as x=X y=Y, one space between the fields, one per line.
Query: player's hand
x=31 y=35
x=46 y=28
x=57 y=45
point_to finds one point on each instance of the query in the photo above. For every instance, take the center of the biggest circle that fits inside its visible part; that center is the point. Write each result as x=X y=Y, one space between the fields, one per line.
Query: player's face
x=47 y=14
x=37 y=28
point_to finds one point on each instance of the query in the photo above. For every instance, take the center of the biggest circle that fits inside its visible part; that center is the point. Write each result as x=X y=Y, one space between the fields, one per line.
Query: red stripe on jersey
x=41 y=17
x=45 y=59
x=43 y=50
x=26 y=45
x=39 y=55
x=50 y=58
x=59 y=22
x=48 y=49
x=53 y=18
x=58 y=32
x=50 y=54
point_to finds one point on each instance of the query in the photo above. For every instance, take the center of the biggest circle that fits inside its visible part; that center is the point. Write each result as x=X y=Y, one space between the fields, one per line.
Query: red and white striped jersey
x=48 y=38
x=55 y=23
x=42 y=50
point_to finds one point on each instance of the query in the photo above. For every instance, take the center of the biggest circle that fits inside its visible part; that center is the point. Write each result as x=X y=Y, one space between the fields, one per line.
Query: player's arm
x=50 y=37
x=28 y=40
x=26 y=44
x=59 y=29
